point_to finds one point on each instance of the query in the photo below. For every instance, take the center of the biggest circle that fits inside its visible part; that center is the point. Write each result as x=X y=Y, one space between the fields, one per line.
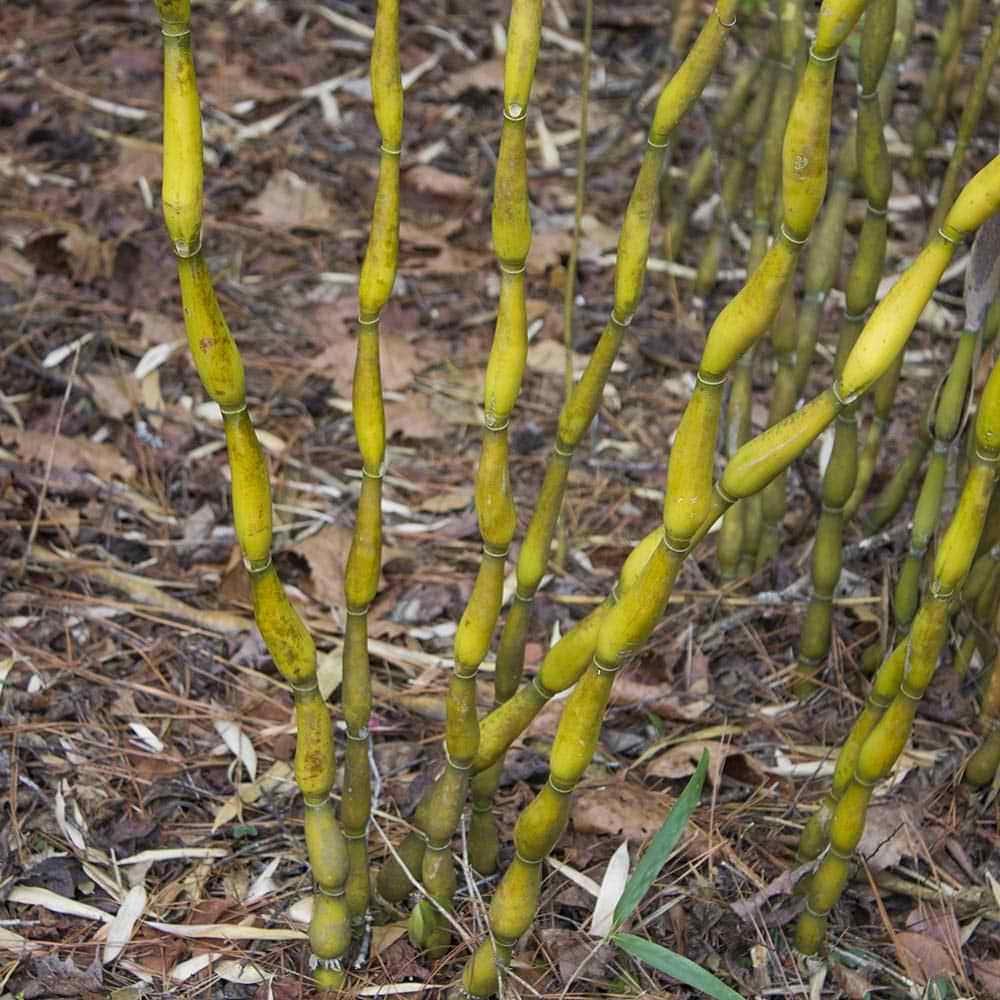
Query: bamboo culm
x=364 y=561
x=220 y=369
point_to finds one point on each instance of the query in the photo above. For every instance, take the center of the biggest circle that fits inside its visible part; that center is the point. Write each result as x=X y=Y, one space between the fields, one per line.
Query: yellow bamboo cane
x=220 y=369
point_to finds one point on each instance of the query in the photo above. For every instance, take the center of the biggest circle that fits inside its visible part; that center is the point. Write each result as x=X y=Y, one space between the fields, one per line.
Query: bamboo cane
x=220 y=369
x=378 y=273
x=862 y=284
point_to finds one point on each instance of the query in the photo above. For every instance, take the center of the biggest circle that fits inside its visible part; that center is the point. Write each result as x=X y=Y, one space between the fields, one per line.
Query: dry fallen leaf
x=103 y=460
x=483 y=76
x=663 y=699
x=888 y=835
x=620 y=810
x=681 y=760
x=399 y=360
x=288 y=202
x=426 y=179
x=116 y=395
x=414 y=417
x=326 y=554
x=923 y=957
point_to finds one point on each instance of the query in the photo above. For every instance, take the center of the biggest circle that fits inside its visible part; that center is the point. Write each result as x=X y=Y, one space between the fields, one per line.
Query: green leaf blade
x=680 y=968
x=655 y=856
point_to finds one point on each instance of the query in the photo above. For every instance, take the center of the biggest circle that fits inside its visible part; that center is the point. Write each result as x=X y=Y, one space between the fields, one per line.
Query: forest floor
x=147 y=740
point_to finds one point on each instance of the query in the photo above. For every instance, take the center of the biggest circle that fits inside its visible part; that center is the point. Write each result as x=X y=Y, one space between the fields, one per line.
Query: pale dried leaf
x=174 y=854
x=185 y=970
x=923 y=957
x=486 y=75
x=329 y=671
x=238 y=743
x=122 y=927
x=414 y=418
x=681 y=761
x=115 y=395
x=234 y=971
x=620 y=810
x=31 y=895
x=585 y=882
x=326 y=554
x=228 y=932
x=430 y=180
x=612 y=887
x=147 y=737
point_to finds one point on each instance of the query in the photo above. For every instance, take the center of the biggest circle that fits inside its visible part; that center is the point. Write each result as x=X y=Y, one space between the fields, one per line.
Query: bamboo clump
x=790 y=100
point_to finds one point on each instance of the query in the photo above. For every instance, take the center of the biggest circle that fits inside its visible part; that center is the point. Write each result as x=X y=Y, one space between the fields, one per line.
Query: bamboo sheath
x=220 y=369
x=862 y=285
x=378 y=273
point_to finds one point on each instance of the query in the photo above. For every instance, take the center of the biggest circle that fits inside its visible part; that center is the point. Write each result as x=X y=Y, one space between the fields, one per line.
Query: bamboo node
x=562 y=452
x=816 y=57
x=315 y=803
x=496 y=553
x=723 y=495
x=838 y=394
x=987 y=458
x=873 y=210
x=603 y=668
x=948 y=238
x=494 y=425
x=373 y=321
x=680 y=546
x=657 y=145
x=185 y=249
x=257 y=566
x=813 y=913
x=862 y=96
x=795 y=241
x=389 y=150
x=358 y=612
x=360 y=737
x=527 y=861
x=513 y=112
x=523 y=598
x=333 y=893
x=306 y=688
x=559 y=790
x=627 y=321
x=514 y=270
x=726 y=25
x=710 y=379
x=540 y=687
x=907 y=692
x=361 y=836
x=855 y=317
x=174 y=29
x=454 y=766
x=332 y=964
x=233 y=411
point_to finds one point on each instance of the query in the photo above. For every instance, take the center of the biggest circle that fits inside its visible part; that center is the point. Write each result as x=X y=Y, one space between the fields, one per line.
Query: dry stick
x=220 y=369
x=364 y=560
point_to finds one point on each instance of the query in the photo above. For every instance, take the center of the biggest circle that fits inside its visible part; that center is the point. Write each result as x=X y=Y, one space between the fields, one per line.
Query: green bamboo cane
x=882 y=746
x=220 y=369
x=378 y=273
x=766 y=215
x=494 y=503
x=862 y=286
x=971 y=112
x=699 y=177
x=736 y=141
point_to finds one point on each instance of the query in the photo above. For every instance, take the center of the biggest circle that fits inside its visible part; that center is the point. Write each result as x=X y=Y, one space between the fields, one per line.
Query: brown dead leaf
x=115 y=395
x=923 y=957
x=16 y=270
x=103 y=460
x=136 y=159
x=483 y=76
x=986 y=972
x=155 y=328
x=853 y=983
x=620 y=810
x=326 y=554
x=288 y=202
x=90 y=258
x=415 y=417
x=680 y=761
x=425 y=179
x=548 y=249
x=888 y=835
x=663 y=699
x=940 y=924
x=549 y=358
x=398 y=357
x=574 y=956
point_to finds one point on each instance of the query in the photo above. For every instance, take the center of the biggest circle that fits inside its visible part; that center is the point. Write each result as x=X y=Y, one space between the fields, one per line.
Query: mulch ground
x=147 y=739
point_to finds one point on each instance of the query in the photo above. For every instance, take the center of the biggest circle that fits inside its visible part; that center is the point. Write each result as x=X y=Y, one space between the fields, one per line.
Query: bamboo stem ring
x=725 y=24
x=174 y=29
x=816 y=57
x=786 y=235
x=514 y=270
x=623 y=323
x=358 y=612
x=447 y=756
x=233 y=411
x=496 y=553
x=604 y=668
x=370 y=322
x=515 y=113
x=838 y=394
x=186 y=249
x=710 y=380
x=497 y=427
x=255 y=567
x=657 y=145
x=953 y=240
x=390 y=150
x=306 y=688
x=908 y=692
x=333 y=893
